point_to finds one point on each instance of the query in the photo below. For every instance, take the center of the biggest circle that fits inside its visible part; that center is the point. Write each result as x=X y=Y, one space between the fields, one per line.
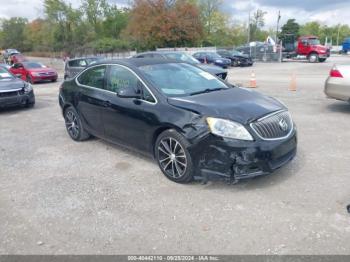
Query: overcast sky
x=326 y=11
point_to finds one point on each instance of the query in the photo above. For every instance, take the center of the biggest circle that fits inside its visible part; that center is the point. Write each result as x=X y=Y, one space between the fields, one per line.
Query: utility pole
x=248 y=37
x=278 y=25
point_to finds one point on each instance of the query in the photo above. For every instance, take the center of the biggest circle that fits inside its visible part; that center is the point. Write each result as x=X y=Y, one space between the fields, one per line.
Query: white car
x=338 y=83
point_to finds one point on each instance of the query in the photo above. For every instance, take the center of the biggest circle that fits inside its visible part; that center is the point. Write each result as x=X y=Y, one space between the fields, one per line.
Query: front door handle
x=106 y=104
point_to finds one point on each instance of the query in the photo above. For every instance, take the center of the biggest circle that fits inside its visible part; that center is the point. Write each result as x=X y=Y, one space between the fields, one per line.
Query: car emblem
x=283 y=125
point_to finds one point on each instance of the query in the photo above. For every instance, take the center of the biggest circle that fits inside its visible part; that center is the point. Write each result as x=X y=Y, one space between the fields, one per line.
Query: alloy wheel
x=72 y=124
x=172 y=157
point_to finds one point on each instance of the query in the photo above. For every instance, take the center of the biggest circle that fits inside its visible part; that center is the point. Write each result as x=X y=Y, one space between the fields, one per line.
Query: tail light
x=335 y=73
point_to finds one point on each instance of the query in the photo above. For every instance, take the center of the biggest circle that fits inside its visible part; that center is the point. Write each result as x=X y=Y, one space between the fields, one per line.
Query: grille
x=9 y=94
x=275 y=126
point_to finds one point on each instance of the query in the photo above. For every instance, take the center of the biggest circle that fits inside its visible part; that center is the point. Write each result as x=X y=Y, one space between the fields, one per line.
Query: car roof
x=138 y=62
x=88 y=57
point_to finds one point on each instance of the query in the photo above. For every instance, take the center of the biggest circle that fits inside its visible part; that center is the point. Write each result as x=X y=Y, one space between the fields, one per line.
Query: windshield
x=214 y=55
x=314 y=41
x=33 y=65
x=175 y=80
x=4 y=74
x=93 y=60
x=235 y=52
x=182 y=57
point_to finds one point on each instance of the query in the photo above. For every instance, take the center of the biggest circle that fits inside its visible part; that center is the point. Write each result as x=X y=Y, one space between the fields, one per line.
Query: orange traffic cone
x=293 y=83
x=252 y=82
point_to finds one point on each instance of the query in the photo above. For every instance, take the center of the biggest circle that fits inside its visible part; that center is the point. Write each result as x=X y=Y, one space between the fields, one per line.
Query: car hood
x=237 y=104
x=11 y=84
x=41 y=70
x=212 y=69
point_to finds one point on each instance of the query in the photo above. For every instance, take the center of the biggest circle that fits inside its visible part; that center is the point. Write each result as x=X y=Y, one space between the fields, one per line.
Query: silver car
x=338 y=83
x=76 y=65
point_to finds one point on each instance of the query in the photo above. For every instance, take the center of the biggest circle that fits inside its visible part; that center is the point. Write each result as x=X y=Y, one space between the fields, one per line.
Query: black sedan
x=212 y=58
x=184 y=57
x=237 y=58
x=14 y=91
x=195 y=125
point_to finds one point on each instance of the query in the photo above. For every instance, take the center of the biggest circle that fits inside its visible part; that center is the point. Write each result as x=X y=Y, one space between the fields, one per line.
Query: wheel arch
x=160 y=130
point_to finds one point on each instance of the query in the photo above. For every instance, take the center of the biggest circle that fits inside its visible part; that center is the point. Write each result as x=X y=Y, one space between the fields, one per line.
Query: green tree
x=13 y=35
x=257 y=22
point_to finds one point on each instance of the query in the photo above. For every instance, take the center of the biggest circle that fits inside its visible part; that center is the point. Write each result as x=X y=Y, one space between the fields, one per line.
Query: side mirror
x=18 y=75
x=127 y=92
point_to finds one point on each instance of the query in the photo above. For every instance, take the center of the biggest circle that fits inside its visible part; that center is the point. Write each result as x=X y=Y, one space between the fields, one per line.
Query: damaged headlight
x=228 y=129
x=28 y=87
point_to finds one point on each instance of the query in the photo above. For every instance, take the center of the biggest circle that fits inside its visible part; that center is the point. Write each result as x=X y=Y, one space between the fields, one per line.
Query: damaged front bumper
x=234 y=160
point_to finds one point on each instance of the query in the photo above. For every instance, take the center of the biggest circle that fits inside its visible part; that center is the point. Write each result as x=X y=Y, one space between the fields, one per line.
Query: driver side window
x=120 y=77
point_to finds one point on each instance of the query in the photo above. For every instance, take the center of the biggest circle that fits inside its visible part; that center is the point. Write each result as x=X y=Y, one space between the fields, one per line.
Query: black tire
x=173 y=157
x=235 y=63
x=321 y=60
x=313 y=58
x=29 y=79
x=54 y=80
x=30 y=105
x=74 y=125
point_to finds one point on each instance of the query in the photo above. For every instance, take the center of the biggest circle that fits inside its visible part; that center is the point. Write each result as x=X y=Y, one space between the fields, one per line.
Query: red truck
x=307 y=48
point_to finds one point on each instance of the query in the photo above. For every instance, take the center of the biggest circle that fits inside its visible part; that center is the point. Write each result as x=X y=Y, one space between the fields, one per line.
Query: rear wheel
x=54 y=80
x=74 y=125
x=322 y=60
x=173 y=156
x=313 y=58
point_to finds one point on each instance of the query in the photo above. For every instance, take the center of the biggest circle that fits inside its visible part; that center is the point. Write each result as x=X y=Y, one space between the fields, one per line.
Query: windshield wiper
x=208 y=90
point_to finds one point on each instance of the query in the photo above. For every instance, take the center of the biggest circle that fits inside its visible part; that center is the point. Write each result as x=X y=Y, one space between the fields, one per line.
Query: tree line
x=97 y=26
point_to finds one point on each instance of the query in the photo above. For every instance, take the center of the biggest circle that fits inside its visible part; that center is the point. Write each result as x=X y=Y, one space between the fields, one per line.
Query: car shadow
x=339 y=107
x=279 y=176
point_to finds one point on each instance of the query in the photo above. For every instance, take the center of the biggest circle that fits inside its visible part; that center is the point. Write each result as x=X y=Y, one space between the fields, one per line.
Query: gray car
x=338 y=83
x=76 y=65
x=182 y=56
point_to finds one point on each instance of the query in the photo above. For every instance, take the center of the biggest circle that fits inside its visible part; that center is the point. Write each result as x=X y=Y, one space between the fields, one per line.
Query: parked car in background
x=192 y=123
x=184 y=57
x=237 y=58
x=212 y=58
x=34 y=72
x=6 y=66
x=17 y=58
x=14 y=91
x=75 y=65
x=8 y=52
x=338 y=83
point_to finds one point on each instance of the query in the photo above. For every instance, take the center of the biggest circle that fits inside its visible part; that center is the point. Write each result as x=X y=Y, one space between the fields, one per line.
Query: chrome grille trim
x=268 y=127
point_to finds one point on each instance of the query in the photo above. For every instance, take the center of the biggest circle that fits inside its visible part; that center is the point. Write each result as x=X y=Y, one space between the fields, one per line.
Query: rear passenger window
x=93 y=77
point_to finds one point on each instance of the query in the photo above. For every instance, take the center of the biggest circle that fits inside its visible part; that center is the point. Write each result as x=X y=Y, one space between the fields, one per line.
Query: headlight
x=228 y=129
x=27 y=88
x=35 y=74
x=219 y=61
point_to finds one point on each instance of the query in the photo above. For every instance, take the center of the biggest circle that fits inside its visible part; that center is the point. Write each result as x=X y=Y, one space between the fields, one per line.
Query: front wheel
x=74 y=125
x=313 y=58
x=322 y=60
x=173 y=157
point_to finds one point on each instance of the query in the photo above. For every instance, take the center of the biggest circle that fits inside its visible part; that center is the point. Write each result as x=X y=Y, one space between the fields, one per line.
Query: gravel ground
x=62 y=197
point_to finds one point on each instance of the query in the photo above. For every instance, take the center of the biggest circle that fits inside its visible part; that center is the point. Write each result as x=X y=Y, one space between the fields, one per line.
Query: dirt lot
x=62 y=197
